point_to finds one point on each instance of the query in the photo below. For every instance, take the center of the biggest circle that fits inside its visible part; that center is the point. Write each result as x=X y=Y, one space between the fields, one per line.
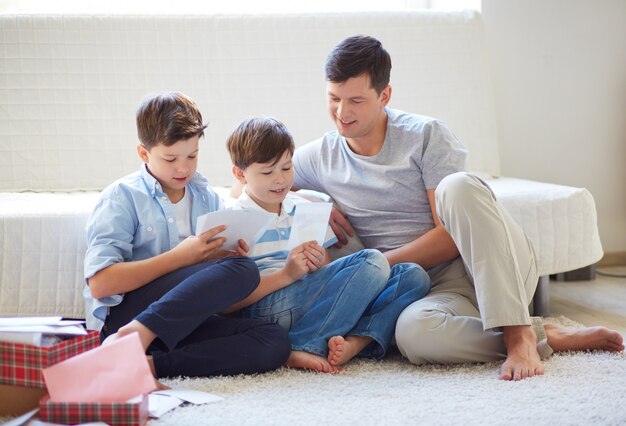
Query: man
x=382 y=166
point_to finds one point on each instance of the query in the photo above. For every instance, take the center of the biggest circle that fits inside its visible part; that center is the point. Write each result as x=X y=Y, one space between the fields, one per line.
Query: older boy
x=147 y=272
x=319 y=302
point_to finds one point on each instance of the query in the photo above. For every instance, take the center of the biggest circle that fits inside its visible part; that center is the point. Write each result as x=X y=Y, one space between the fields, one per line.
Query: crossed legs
x=478 y=309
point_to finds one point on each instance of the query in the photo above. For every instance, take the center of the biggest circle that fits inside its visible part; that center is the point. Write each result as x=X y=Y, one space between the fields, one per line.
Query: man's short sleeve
x=443 y=154
x=306 y=166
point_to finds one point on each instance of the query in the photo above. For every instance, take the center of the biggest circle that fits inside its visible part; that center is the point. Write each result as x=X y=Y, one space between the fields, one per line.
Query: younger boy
x=357 y=296
x=146 y=271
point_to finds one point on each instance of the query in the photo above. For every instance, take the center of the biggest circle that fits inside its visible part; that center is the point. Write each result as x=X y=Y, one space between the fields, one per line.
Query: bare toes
x=335 y=349
x=505 y=373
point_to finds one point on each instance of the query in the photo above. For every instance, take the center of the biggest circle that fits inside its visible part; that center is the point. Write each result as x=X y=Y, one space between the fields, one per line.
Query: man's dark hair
x=358 y=55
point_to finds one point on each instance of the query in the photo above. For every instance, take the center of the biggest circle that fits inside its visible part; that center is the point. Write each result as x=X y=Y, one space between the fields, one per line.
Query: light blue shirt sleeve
x=134 y=220
x=110 y=234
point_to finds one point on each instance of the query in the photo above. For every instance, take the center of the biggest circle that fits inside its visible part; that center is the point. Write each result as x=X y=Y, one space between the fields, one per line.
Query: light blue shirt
x=135 y=220
x=271 y=250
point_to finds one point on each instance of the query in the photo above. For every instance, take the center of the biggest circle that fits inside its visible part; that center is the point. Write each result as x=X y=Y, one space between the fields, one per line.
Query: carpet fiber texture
x=578 y=388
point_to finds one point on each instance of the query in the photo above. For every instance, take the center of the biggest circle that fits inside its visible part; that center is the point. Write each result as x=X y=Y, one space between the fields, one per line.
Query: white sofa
x=69 y=86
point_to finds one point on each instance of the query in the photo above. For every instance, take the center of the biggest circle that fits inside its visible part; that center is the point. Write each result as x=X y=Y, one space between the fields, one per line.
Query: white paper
x=10 y=321
x=59 y=330
x=162 y=401
x=310 y=223
x=189 y=395
x=247 y=225
x=18 y=337
x=161 y=404
x=42 y=325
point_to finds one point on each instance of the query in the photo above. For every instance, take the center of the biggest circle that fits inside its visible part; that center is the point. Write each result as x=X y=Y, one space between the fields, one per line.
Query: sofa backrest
x=70 y=85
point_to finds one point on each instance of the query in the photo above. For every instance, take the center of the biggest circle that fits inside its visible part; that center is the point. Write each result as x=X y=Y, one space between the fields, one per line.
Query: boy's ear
x=143 y=153
x=238 y=173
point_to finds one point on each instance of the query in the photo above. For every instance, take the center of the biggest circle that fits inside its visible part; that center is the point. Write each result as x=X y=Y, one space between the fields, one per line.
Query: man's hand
x=340 y=226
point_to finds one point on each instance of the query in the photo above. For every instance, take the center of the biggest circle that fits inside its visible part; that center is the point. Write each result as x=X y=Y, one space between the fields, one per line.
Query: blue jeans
x=354 y=295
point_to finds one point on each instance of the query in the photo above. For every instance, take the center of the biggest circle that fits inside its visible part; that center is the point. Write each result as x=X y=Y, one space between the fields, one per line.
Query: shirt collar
x=153 y=185
x=286 y=206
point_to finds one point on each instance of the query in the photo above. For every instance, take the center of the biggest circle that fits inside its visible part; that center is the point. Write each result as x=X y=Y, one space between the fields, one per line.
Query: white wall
x=559 y=72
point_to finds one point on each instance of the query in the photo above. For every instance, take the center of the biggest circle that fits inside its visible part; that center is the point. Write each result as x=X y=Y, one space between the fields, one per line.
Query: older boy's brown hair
x=259 y=140
x=167 y=118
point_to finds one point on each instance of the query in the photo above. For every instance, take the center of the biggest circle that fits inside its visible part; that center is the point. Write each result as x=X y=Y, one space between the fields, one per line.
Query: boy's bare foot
x=309 y=361
x=341 y=350
x=522 y=359
x=146 y=336
x=151 y=365
x=335 y=350
x=573 y=339
x=161 y=386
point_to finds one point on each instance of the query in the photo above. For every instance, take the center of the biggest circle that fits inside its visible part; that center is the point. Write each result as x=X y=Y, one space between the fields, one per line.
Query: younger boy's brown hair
x=259 y=140
x=167 y=118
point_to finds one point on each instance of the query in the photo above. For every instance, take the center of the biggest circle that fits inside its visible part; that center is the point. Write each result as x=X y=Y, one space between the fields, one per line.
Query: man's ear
x=385 y=95
x=239 y=175
x=143 y=153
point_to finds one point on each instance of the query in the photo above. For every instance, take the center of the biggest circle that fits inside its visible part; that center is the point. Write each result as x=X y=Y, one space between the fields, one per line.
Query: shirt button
x=170 y=220
x=149 y=228
x=164 y=198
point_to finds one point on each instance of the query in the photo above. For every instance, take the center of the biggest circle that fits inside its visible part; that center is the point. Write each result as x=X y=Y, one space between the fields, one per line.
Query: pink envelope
x=114 y=372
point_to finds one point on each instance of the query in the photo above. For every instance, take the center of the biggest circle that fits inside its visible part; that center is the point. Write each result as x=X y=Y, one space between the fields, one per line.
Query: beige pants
x=492 y=286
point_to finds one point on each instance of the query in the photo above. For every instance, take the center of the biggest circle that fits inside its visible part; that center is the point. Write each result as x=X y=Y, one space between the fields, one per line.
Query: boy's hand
x=241 y=250
x=315 y=255
x=305 y=258
x=201 y=248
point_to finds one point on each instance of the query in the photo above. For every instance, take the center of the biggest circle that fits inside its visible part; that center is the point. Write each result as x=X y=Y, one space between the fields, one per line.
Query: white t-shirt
x=183 y=216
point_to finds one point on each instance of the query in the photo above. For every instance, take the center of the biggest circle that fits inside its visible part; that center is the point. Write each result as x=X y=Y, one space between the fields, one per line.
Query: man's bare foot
x=522 y=360
x=580 y=339
x=309 y=361
x=146 y=336
x=341 y=350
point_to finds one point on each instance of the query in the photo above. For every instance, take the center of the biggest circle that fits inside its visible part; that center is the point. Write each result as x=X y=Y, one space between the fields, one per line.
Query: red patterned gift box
x=21 y=364
x=114 y=413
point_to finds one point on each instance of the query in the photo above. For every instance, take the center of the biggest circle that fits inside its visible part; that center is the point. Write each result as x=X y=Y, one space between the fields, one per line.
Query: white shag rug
x=578 y=388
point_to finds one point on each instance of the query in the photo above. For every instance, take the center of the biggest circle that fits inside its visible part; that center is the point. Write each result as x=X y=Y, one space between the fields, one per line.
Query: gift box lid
x=21 y=364
x=131 y=413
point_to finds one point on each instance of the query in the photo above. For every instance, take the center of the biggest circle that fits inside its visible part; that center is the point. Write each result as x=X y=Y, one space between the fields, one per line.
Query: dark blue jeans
x=182 y=308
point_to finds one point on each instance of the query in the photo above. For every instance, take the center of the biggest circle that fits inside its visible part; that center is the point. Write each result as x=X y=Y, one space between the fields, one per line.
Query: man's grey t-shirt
x=384 y=196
